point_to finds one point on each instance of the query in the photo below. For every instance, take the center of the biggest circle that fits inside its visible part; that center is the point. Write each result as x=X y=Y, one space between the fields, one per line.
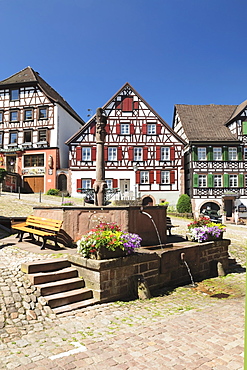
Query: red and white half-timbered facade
x=35 y=122
x=143 y=155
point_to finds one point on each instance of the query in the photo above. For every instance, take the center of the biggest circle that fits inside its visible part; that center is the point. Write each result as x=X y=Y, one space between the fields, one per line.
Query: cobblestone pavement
x=186 y=329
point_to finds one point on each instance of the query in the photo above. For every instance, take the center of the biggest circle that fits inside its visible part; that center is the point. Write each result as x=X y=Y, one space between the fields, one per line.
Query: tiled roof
x=29 y=76
x=239 y=109
x=206 y=122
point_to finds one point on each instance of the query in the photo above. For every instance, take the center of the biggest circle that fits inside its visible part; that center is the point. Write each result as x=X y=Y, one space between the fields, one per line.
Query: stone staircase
x=59 y=284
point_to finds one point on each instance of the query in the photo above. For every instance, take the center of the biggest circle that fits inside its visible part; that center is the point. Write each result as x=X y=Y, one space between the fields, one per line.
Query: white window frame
x=86 y=183
x=217 y=181
x=233 y=181
x=232 y=154
x=245 y=153
x=112 y=154
x=151 y=129
x=144 y=177
x=86 y=154
x=165 y=177
x=202 y=181
x=124 y=128
x=202 y=154
x=165 y=153
x=138 y=154
x=217 y=154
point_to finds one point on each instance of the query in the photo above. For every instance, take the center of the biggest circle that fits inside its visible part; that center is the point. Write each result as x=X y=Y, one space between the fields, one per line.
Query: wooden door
x=34 y=184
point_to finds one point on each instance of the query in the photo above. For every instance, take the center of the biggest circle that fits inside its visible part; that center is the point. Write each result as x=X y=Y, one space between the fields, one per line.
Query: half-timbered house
x=215 y=156
x=143 y=155
x=35 y=122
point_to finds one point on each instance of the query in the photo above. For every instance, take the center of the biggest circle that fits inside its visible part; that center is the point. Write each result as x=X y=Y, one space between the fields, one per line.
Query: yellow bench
x=47 y=228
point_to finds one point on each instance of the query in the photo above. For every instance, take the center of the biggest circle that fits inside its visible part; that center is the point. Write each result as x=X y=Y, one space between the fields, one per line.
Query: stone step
x=46 y=277
x=45 y=265
x=60 y=286
x=75 y=306
x=66 y=298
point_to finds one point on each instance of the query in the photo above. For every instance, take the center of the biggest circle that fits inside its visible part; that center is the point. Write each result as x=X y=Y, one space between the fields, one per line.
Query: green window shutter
x=210 y=180
x=209 y=153
x=241 y=180
x=244 y=128
x=240 y=153
x=226 y=180
x=194 y=154
x=195 y=180
x=225 y=153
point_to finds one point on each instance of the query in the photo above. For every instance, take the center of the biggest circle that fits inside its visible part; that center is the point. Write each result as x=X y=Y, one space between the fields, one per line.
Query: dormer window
x=14 y=94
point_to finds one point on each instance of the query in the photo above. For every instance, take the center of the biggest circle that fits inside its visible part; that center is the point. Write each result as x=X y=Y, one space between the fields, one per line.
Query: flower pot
x=103 y=254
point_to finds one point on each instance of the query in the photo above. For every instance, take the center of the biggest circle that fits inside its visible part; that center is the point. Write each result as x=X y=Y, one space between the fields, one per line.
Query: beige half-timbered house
x=35 y=122
x=143 y=155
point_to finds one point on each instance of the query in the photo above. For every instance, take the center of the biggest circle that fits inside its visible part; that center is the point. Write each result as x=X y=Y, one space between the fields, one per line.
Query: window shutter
x=118 y=129
x=127 y=104
x=131 y=153
x=151 y=177
x=244 y=128
x=78 y=185
x=225 y=153
x=106 y=153
x=144 y=129
x=194 y=154
x=93 y=153
x=92 y=182
x=195 y=180
x=78 y=151
x=132 y=129
x=210 y=180
x=135 y=105
x=145 y=153
x=209 y=153
x=158 y=153
x=107 y=129
x=119 y=153
x=115 y=183
x=240 y=153
x=158 y=129
x=172 y=153
x=137 y=177
x=172 y=177
x=241 y=180
x=226 y=180
x=119 y=104
x=158 y=177
x=92 y=128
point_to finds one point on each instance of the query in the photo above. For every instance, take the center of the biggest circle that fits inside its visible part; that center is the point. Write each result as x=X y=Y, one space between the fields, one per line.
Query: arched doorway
x=211 y=206
x=62 y=182
x=147 y=201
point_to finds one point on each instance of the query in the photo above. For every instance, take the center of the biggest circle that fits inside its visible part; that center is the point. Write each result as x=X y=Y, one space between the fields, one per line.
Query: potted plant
x=203 y=230
x=107 y=240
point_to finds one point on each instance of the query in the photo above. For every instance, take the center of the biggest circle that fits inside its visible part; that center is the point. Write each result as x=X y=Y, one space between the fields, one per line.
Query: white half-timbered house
x=35 y=122
x=215 y=157
x=143 y=155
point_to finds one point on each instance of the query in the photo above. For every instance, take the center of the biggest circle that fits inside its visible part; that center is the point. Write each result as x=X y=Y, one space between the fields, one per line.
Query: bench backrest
x=45 y=223
x=168 y=221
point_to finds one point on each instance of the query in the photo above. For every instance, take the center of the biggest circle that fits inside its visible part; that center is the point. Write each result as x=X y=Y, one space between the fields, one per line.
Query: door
x=228 y=207
x=62 y=182
x=124 y=186
x=34 y=184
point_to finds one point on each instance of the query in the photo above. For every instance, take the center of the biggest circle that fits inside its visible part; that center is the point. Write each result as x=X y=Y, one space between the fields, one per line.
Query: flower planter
x=103 y=254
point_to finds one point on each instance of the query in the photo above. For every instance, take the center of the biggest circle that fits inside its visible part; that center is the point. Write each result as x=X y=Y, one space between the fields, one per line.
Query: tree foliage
x=184 y=204
x=3 y=173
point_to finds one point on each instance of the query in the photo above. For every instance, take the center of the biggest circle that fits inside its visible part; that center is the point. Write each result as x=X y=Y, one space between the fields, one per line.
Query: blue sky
x=170 y=51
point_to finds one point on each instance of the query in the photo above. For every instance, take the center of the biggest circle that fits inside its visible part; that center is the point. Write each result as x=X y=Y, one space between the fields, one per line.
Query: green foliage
x=53 y=192
x=164 y=204
x=3 y=173
x=184 y=204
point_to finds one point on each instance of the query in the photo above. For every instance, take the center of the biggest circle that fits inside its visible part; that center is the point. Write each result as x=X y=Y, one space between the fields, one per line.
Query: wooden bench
x=169 y=225
x=45 y=227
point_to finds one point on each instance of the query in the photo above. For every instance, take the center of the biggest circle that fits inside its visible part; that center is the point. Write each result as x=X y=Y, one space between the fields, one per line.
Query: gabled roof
x=206 y=122
x=28 y=76
x=126 y=85
x=239 y=109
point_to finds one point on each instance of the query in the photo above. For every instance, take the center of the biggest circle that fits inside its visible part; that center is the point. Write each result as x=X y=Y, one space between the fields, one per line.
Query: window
x=245 y=154
x=124 y=128
x=34 y=160
x=109 y=183
x=1 y=139
x=13 y=137
x=42 y=113
x=217 y=181
x=165 y=177
x=144 y=177
x=165 y=153
x=86 y=183
x=217 y=154
x=27 y=136
x=151 y=128
x=202 y=181
x=86 y=154
x=28 y=114
x=202 y=154
x=1 y=117
x=42 y=135
x=13 y=115
x=233 y=180
x=245 y=180
x=137 y=154
x=112 y=154
x=14 y=94
x=232 y=154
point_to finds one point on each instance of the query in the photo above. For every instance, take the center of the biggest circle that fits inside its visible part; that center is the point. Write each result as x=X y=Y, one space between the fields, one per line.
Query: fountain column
x=100 y=183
